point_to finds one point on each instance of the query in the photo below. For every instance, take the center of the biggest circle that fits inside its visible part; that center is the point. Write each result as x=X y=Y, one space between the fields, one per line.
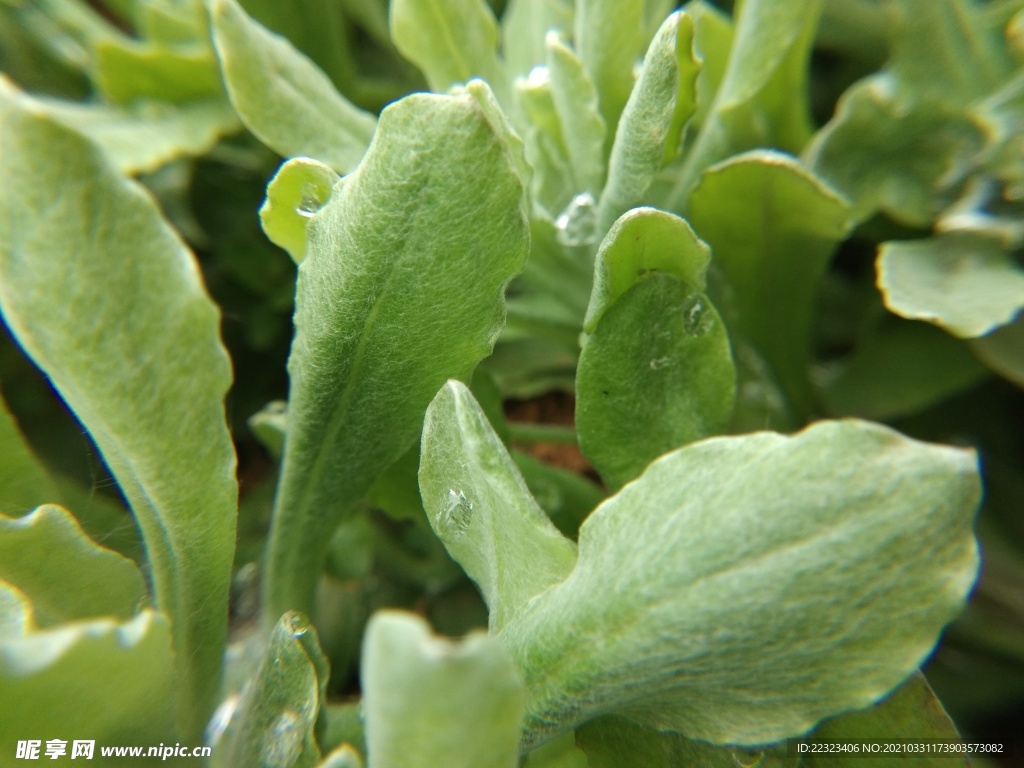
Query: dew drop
x=660 y=362
x=456 y=514
x=747 y=758
x=577 y=224
x=696 y=319
x=311 y=200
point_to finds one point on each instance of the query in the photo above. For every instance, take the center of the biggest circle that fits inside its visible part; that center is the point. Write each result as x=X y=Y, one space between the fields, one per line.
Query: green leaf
x=901 y=369
x=560 y=753
x=642 y=242
x=89 y=582
x=566 y=497
x=429 y=701
x=610 y=37
x=481 y=509
x=884 y=156
x=1002 y=350
x=582 y=127
x=964 y=283
x=272 y=725
x=130 y=70
x=758 y=101
x=99 y=680
x=524 y=29
x=284 y=98
x=344 y=756
x=870 y=563
x=431 y=230
x=655 y=374
x=269 y=426
x=912 y=712
x=611 y=742
x=639 y=146
x=299 y=189
x=24 y=483
x=77 y=240
x=147 y=135
x=15 y=612
x=772 y=227
x=451 y=41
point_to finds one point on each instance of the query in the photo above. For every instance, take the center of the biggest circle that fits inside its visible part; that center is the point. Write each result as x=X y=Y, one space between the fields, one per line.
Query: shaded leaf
x=481 y=509
x=86 y=581
x=128 y=70
x=430 y=701
x=1002 y=350
x=431 y=226
x=962 y=282
x=71 y=231
x=655 y=374
x=283 y=97
x=870 y=562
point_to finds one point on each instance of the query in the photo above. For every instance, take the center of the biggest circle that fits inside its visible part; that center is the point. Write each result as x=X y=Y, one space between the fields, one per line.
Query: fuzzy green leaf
x=430 y=701
x=99 y=680
x=967 y=284
x=273 y=723
x=772 y=227
x=481 y=509
x=655 y=374
x=283 y=97
x=451 y=41
x=401 y=289
x=610 y=37
x=871 y=560
x=90 y=582
x=77 y=240
x=299 y=189
x=639 y=146
x=644 y=241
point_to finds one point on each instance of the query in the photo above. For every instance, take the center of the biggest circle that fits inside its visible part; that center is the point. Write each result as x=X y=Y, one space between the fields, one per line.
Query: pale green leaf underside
x=639 y=146
x=480 y=507
x=298 y=190
x=868 y=544
x=655 y=374
x=401 y=289
x=84 y=581
x=967 y=284
x=54 y=679
x=430 y=701
x=272 y=725
x=643 y=241
x=283 y=97
x=109 y=303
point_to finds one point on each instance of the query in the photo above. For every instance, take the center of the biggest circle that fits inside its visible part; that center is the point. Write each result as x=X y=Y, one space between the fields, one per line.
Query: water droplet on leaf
x=696 y=319
x=311 y=200
x=660 y=362
x=456 y=514
x=748 y=758
x=577 y=224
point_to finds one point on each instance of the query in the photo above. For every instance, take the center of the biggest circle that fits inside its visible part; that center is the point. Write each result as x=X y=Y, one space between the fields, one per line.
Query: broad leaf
x=480 y=507
x=298 y=190
x=401 y=289
x=272 y=725
x=583 y=128
x=642 y=242
x=870 y=562
x=127 y=70
x=772 y=227
x=910 y=714
x=965 y=283
x=451 y=41
x=430 y=701
x=609 y=37
x=84 y=581
x=611 y=742
x=283 y=97
x=655 y=374
x=639 y=146
x=524 y=29
x=78 y=241
x=53 y=679
x=147 y=135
